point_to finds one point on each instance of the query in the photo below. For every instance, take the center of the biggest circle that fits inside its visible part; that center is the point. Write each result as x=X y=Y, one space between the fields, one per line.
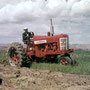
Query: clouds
x=81 y=8
x=27 y=10
x=69 y=16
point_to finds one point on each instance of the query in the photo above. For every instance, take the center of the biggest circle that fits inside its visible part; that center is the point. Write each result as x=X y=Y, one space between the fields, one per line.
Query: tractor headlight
x=64 y=43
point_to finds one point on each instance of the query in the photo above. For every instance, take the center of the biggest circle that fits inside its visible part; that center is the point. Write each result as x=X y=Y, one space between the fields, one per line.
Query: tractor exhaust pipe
x=51 y=28
x=51 y=33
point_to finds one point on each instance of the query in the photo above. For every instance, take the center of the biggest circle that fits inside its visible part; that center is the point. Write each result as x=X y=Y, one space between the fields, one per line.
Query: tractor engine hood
x=44 y=39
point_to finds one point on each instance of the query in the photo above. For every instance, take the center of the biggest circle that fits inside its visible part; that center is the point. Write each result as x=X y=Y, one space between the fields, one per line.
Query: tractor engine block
x=47 y=47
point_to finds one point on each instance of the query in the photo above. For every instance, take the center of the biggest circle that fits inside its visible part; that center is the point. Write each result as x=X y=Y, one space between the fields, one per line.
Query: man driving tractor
x=26 y=36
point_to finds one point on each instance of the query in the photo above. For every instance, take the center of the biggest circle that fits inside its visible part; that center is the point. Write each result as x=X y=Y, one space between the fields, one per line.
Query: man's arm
x=29 y=34
x=24 y=37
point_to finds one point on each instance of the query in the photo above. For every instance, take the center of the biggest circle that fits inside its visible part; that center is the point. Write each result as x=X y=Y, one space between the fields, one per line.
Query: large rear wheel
x=15 y=54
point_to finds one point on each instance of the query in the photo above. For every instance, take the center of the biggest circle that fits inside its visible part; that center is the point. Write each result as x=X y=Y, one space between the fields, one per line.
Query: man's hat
x=25 y=29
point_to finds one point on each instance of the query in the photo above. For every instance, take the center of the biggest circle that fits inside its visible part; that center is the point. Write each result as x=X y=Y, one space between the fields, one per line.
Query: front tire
x=64 y=60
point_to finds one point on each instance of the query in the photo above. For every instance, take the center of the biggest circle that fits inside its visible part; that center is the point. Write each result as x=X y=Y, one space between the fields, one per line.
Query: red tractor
x=51 y=47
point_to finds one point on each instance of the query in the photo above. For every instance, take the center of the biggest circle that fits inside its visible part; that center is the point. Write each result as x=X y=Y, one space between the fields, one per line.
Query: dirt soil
x=12 y=78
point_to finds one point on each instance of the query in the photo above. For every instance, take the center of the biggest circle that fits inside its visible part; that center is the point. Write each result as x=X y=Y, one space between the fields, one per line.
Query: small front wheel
x=64 y=60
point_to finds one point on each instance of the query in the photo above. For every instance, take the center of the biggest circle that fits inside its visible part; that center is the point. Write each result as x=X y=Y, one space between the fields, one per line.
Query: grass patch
x=82 y=66
x=82 y=58
x=33 y=82
x=3 y=55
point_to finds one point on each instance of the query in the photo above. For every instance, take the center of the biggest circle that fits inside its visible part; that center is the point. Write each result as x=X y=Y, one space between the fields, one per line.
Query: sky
x=70 y=17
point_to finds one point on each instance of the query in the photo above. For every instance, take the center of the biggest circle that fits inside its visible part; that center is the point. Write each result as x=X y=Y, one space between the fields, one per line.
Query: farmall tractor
x=51 y=47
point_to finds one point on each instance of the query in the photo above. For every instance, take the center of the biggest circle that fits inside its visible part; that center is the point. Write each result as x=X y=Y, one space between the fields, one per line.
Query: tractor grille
x=64 y=43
